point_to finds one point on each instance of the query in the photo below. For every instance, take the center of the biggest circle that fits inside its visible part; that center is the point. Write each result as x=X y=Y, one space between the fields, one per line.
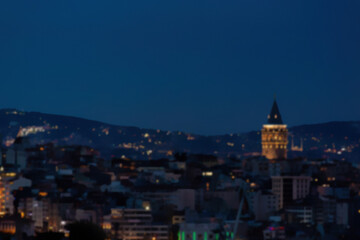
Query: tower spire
x=275 y=117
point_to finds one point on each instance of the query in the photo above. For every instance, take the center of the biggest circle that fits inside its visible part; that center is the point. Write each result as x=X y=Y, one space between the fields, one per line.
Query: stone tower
x=274 y=136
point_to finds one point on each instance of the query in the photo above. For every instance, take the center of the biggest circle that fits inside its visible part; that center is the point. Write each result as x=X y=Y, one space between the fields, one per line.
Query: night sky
x=208 y=67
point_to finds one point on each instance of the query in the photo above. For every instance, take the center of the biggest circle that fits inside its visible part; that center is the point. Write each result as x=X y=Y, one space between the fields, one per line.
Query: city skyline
x=179 y=120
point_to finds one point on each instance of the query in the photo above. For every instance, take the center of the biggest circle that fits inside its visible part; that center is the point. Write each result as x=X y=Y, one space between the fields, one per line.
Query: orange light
x=43 y=194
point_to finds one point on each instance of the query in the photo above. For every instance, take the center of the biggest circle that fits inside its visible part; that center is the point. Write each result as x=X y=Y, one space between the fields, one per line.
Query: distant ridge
x=339 y=139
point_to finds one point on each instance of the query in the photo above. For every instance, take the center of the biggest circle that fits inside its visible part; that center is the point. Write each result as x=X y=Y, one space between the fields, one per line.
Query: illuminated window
x=207 y=174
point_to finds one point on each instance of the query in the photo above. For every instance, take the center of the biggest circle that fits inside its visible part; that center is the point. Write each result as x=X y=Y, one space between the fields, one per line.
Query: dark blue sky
x=199 y=66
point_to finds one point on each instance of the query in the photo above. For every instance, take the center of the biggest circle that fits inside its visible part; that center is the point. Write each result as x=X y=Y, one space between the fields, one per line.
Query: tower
x=274 y=136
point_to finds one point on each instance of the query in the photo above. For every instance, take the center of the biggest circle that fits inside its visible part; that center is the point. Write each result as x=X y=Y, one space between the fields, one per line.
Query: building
x=17 y=154
x=300 y=213
x=290 y=188
x=86 y=215
x=274 y=232
x=134 y=224
x=332 y=210
x=200 y=231
x=2 y=198
x=264 y=204
x=181 y=198
x=297 y=148
x=274 y=136
x=16 y=226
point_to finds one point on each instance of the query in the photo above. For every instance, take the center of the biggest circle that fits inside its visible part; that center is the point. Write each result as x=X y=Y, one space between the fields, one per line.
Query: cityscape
x=180 y=120
x=48 y=187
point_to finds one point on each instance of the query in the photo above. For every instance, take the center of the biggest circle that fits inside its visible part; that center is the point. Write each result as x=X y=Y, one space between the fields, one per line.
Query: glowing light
x=10 y=174
x=207 y=174
x=43 y=194
x=23 y=132
x=230 y=144
x=190 y=138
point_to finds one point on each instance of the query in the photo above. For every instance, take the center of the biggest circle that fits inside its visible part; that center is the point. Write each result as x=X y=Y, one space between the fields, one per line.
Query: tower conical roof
x=274 y=116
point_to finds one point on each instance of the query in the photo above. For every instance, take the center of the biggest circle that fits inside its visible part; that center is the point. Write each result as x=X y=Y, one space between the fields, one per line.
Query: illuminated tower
x=274 y=136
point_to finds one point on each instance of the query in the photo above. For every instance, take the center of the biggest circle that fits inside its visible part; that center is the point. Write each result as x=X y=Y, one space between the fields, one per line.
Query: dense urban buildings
x=47 y=187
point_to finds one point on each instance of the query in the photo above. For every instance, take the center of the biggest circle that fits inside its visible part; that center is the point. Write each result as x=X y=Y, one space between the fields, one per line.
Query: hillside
x=334 y=139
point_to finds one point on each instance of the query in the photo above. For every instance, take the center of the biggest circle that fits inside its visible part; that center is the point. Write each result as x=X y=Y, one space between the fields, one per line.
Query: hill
x=333 y=139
